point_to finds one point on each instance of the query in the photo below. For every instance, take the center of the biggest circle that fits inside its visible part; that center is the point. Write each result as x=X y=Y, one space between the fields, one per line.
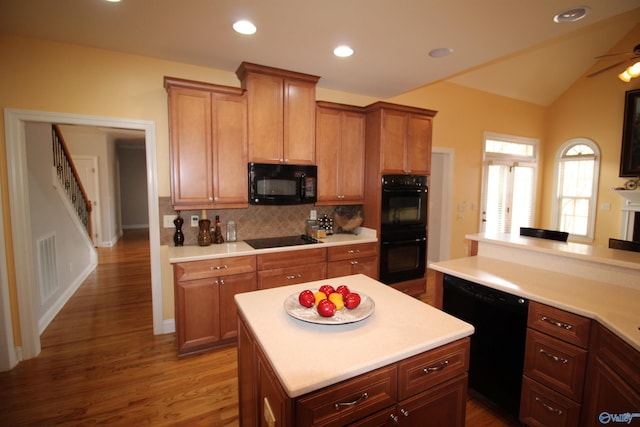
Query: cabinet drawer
x=292 y=275
x=367 y=266
x=541 y=406
x=559 y=323
x=290 y=258
x=339 y=253
x=214 y=268
x=425 y=370
x=350 y=400
x=556 y=364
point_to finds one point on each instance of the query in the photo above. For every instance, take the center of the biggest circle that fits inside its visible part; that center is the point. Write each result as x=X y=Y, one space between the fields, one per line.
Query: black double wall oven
x=403 y=231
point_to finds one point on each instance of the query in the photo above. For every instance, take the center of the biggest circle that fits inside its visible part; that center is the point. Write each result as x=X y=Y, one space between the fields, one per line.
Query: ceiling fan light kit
x=630 y=73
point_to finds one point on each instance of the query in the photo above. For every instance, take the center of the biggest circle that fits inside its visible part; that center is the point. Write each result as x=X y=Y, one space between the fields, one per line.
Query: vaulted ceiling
x=511 y=48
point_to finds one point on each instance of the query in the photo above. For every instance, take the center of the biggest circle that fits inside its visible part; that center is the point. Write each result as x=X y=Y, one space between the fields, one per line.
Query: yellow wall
x=592 y=108
x=47 y=76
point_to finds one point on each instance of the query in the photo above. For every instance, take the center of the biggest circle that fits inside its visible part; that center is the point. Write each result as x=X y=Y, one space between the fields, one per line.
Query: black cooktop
x=277 y=242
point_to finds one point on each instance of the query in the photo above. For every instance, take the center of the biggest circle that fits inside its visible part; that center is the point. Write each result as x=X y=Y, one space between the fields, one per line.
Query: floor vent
x=47 y=267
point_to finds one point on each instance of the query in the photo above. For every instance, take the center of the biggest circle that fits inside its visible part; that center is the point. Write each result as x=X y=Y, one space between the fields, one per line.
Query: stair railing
x=69 y=179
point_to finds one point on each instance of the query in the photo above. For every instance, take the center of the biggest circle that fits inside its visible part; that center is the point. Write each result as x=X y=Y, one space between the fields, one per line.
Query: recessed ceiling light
x=571 y=15
x=440 y=52
x=244 y=27
x=343 y=51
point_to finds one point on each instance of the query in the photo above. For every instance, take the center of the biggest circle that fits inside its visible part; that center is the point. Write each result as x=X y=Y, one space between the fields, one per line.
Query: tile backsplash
x=252 y=222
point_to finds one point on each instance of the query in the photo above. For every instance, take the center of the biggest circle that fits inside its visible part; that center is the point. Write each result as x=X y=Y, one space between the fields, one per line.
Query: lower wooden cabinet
x=353 y=259
x=291 y=267
x=612 y=393
x=206 y=314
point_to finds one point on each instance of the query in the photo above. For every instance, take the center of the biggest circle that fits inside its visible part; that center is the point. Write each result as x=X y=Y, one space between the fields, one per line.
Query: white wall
x=75 y=254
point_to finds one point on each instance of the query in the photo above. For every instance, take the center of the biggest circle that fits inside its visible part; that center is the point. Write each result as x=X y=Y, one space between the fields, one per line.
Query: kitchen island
x=406 y=354
x=583 y=328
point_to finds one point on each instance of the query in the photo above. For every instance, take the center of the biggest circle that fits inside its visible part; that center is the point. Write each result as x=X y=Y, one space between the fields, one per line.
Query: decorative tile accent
x=251 y=223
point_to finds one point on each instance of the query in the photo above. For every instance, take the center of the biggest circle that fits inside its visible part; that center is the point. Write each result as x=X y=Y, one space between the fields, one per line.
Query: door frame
x=96 y=224
x=444 y=249
x=17 y=174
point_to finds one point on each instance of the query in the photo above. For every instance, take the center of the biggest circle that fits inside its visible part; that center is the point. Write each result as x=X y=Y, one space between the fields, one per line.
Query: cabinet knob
x=353 y=251
x=219 y=267
x=294 y=276
x=354 y=262
x=210 y=198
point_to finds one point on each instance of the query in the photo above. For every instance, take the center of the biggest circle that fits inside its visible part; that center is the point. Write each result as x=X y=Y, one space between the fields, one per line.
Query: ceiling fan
x=632 y=56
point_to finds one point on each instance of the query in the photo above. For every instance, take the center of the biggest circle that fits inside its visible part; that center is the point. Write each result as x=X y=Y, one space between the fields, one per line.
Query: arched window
x=577 y=166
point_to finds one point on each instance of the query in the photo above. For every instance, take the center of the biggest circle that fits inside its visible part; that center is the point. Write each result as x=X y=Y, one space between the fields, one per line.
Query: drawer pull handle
x=363 y=396
x=219 y=267
x=440 y=366
x=353 y=251
x=553 y=357
x=556 y=323
x=404 y=412
x=294 y=276
x=548 y=407
x=219 y=282
x=354 y=262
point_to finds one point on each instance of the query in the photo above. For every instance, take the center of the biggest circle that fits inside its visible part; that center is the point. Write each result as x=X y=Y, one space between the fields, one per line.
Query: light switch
x=605 y=206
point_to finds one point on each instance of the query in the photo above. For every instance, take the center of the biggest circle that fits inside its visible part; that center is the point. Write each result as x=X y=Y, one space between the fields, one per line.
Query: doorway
x=21 y=230
x=440 y=193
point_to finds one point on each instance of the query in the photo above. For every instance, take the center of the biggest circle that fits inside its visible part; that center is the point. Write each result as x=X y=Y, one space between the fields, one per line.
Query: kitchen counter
x=241 y=248
x=598 y=283
x=307 y=356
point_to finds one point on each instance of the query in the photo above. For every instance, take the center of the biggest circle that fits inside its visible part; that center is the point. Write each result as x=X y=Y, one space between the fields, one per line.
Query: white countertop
x=571 y=250
x=307 y=356
x=240 y=248
x=615 y=307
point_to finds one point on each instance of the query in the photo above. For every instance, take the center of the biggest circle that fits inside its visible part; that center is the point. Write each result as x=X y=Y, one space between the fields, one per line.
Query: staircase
x=68 y=178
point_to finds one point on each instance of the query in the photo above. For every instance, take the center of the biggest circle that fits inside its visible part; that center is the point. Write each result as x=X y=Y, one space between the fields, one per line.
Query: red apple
x=343 y=290
x=326 y=308
x=306 y=298
x=327 y=290
x=352 y=300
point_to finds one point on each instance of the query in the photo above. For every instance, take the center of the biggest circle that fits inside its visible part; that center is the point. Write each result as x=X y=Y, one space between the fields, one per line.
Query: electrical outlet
x=194 y=220
x=167 y=221
x=313 y=215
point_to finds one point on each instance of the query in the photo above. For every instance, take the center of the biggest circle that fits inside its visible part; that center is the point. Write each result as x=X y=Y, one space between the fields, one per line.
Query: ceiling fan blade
x=607 y=68
x=607 y=55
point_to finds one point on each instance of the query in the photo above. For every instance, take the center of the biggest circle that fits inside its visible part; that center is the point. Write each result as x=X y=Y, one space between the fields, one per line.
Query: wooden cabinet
x=340 y=131
x=291 y=267
x=399 y=138
x=281 y=108
x=206 y=314
x=353 y=259
x=429 y=389
x=208 y=145
x=613 y=383
x=554 y=366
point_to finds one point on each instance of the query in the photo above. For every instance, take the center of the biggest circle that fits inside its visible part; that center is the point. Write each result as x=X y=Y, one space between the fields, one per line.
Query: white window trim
x=555 y=207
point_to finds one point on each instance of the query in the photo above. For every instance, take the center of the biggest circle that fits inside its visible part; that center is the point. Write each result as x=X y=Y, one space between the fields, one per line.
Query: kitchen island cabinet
x=282 y=114
x=335 y=375
x=208 y=145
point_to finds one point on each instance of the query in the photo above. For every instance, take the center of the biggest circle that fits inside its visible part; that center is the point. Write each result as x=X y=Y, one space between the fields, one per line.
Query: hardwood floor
x=101 y=364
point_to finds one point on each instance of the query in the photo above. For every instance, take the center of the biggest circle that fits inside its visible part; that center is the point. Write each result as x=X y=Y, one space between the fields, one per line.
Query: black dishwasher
x=497 y=345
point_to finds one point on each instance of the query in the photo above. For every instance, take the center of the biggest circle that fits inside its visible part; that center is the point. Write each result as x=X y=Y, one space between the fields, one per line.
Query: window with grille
x=509 y=183
x=577 y=166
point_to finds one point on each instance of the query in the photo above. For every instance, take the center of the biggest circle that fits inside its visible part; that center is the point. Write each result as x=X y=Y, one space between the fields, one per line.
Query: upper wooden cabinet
x=282 y=114
x=208 y=145
x=340 y=131
x=399 y=138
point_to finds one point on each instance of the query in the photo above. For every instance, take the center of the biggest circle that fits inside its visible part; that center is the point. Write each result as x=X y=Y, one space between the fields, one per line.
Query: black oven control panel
x=404 y=181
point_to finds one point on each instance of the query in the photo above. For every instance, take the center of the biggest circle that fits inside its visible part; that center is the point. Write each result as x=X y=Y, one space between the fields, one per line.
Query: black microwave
x=274 y=184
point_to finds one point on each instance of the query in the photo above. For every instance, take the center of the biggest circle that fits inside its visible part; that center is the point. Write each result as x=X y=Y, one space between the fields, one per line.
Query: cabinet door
x=394 y=130
x=367 y=266
x=230 y=150
x=191 y=155
x=197 y=317
x=328 y=134
x=299 y=114
x=351 y=177
x=442 y=405
x=418 y=147
x=266 y=103
x=229 y=286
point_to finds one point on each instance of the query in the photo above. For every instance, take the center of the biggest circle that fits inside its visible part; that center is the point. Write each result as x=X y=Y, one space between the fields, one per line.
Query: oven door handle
x=395 y=242
x=404 y=190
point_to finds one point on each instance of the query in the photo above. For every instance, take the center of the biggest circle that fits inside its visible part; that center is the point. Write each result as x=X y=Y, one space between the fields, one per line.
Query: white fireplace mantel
x=630 y=206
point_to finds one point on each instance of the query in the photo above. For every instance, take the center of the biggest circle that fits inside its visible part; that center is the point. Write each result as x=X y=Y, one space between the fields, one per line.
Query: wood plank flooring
x=101 y=364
